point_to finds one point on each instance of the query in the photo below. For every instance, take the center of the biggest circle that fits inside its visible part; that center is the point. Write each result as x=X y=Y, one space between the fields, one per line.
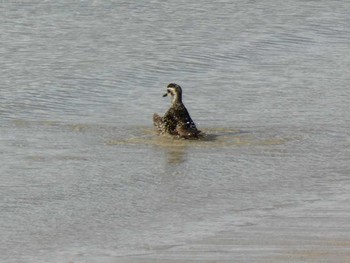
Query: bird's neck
x=177 y=98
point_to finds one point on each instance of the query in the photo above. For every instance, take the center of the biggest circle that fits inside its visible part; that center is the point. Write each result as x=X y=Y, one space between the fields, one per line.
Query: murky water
x=84 y=178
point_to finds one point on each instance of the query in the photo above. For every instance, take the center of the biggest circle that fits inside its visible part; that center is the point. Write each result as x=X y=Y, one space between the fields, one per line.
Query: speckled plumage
x=176 y=121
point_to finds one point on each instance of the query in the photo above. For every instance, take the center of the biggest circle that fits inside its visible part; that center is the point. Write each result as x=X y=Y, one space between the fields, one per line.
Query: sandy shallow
x=226 y=249
x=309 y=234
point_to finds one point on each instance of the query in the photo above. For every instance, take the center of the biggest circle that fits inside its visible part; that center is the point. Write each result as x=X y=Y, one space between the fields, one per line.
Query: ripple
x=214 y=137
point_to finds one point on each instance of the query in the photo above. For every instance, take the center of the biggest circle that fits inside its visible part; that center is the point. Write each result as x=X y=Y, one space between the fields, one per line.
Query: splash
x=214 y=137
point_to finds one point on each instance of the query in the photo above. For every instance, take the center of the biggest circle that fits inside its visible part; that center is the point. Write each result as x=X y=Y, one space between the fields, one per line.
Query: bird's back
x=185 y=127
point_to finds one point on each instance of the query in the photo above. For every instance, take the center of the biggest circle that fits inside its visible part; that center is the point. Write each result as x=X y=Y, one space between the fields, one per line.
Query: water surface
x=84 y=177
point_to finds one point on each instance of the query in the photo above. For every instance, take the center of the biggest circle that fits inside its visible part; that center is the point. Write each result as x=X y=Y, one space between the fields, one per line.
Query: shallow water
x=84 y=177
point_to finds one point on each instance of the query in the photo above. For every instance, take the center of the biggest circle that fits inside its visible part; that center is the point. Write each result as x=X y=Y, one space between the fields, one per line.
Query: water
x=84 y=178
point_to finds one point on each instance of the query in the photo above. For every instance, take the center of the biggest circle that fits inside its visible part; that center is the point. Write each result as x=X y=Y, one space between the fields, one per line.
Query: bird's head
x=175 y=92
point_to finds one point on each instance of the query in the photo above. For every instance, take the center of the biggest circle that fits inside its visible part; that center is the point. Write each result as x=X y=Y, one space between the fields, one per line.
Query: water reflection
x=175 y=155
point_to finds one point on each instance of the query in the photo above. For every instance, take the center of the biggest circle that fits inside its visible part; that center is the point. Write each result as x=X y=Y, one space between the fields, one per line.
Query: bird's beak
x=166 y=94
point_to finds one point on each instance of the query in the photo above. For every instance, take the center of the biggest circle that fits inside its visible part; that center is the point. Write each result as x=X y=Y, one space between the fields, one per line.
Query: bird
x=176 y=121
